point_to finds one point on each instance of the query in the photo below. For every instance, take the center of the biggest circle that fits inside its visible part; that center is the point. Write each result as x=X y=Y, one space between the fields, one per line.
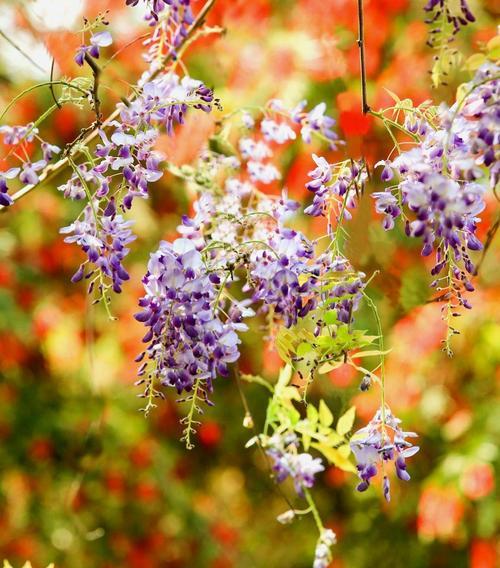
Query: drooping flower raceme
x=128 y=151
x=335 y=188
x=382 y=441
x=442 y=180
x=288 y=462
x=322 y=554
x=105 y=246
x=171 y=20
x=28 y=172
x=439 y=10
x=189 y=344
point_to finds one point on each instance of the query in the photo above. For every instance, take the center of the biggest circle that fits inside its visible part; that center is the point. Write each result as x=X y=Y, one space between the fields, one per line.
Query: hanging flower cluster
x=322 y=554
x=336 y=188
x=28 y=172
x=188 y=342
x=287 y=462
x=439 y=11
x=441 y=181
x=240 y=236
x=382 y=441
x=104 y=244
x=125 y=162
x=171 y=20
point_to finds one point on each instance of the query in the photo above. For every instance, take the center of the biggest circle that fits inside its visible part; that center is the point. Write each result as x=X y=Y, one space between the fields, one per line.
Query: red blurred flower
x=483 y=554
x=210 y=434
x=478 y=480
x=440 y=511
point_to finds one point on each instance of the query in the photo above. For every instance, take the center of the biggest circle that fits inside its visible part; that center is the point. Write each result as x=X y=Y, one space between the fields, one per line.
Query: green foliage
x=313 y=425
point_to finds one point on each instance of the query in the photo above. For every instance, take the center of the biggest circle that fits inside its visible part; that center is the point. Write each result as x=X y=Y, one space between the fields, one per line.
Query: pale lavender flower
x=382 y=441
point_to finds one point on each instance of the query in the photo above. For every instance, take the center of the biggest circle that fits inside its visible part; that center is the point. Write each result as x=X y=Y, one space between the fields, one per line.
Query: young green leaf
x=346 y=421
x=325 y=415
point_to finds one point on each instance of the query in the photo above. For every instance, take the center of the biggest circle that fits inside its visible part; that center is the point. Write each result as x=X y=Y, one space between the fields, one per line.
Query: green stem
x=373 y=307
x=314 y=510
x=29 y=89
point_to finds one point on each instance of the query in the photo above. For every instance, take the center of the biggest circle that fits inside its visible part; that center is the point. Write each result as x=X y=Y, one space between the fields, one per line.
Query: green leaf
x=325 y=415
x=346 y=421
x=327 y=367
x=344 y=450
x=303 y=348
x=392 y=95
x=370 y=353
x=312 y=414
x=493 y=48
x=475 y=61
x=306 y=441
x=334 y=456
x=219 y=144
x=285 y=376
x=333 y=438
x=330 y=317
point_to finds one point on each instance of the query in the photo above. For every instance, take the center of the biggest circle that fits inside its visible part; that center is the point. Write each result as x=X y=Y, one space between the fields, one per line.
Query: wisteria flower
x=382 y=441
x=300 y=467
x=278 y=132
x=97 y=40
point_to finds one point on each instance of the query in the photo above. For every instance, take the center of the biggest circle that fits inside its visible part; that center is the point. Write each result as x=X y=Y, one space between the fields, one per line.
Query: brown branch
x=361 y=44
x=51 y=86
x=96 y=72
x=490 y=235
x=53 y=169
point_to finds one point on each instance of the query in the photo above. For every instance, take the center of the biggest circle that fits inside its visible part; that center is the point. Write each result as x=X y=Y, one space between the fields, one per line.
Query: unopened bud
x=286 y=518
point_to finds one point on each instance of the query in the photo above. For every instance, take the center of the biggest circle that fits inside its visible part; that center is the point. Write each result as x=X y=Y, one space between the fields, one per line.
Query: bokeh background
x=85 y=479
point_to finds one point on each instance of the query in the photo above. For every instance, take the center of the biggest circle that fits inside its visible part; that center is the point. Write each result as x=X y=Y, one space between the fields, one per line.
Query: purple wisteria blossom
x=439 y=10
x=382 y=441
x=312 y=123
x=188 y=341
x=335 y=187
x=105 y=244
x=171 y=19
x=279 y=132
x=13 y=135
x=5 y=198
x=127 y=150
x=28 y=172
x=274 y=276
x=315 y=121
x=288 y=462
x=442 y=181
x=97 y=40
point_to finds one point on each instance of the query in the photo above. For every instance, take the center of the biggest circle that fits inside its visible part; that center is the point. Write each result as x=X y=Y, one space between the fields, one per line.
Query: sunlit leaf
x=346 y=421
x=325 y=415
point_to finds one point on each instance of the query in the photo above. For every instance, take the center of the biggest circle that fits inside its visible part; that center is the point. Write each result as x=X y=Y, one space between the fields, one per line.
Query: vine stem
x=21 y=51
x=53 y=169
x=373 y=307
x=314 y=510
x=365 y=107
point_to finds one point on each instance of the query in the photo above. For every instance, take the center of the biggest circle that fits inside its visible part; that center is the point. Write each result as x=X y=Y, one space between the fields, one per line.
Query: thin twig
x=96 y=72
x=22 y=52
x=276 y=487
x=361 y=44
x=51 y=86
x=52 y=169
x=490 y=235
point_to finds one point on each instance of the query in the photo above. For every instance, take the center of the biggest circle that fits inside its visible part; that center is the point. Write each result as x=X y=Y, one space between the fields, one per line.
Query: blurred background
x=85 y=479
